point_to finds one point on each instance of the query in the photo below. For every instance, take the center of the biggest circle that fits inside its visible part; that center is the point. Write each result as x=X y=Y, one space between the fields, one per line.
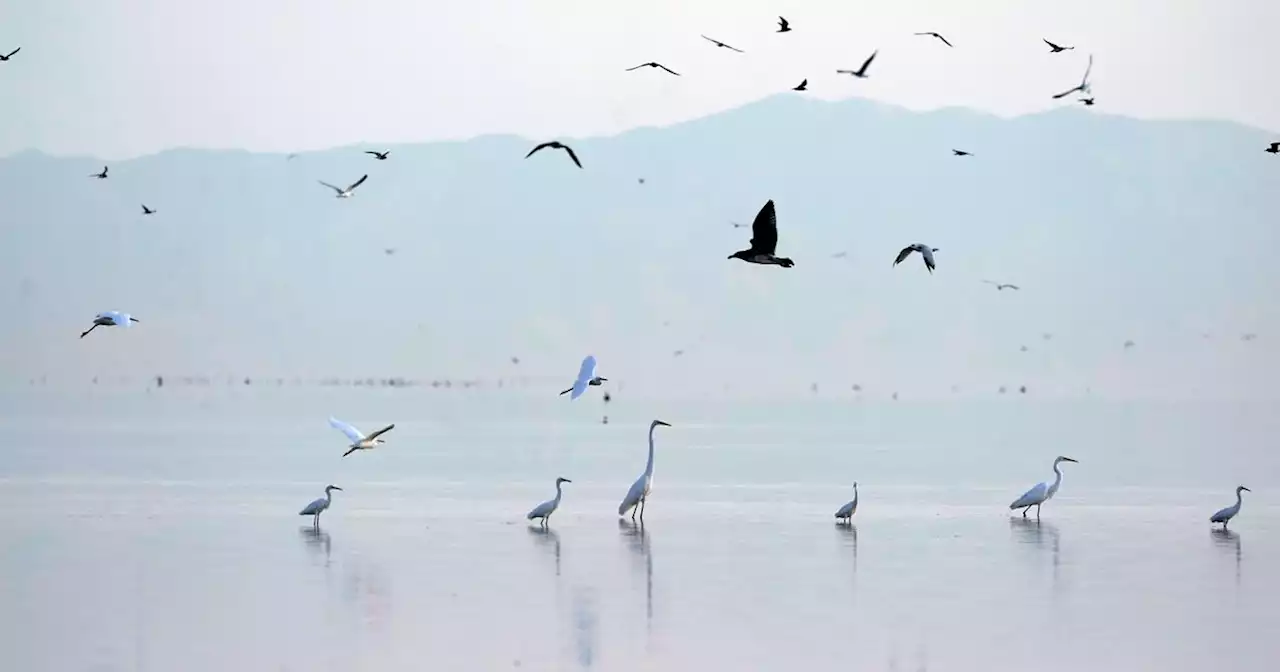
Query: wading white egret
x=111 y=318
x=318 y=507
x=1225 y=515
x=586 y=376
x=639 y=491
x=358 y=440
x=545 y=509
x=846 y=512
x=1042 y=492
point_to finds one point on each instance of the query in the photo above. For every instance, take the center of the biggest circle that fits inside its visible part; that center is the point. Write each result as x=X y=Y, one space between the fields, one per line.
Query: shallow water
x=157 y=531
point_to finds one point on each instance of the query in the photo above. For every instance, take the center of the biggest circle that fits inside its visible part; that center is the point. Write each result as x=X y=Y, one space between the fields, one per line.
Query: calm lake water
x=158 y=531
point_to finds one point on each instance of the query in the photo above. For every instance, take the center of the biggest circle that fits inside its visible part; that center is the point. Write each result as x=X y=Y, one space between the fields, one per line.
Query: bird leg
x=86 y=333
x=642 y=507
x=1037 y=512
x=1025 y=509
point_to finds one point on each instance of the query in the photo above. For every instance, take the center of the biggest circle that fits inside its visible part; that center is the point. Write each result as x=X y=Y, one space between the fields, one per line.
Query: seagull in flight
x=860 y=73
x=924 y=250
x=102 y=175
x=381 y=156
x=784 y=26
x=110 y=318
x=1001 y=286
x=1088 y=102
x=764 y=240
x=718 y=43
x=804 y=86
x=348 y=192
x=944 y=40
x=1274 y=148
x=358 y=440
x=4 y=57
x=586 y=377
x=1083 y=87
x=556 y=145
x=961 y=152
x=1053 y=48
x=146 y=210
x=654 y=64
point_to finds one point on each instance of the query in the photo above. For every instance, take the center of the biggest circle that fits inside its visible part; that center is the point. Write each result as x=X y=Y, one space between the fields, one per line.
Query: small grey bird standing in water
x=102 y=175
x=860 y=73
x=556 y=145
x=804 y=86
x=1224 y=516
x=381 y=156
x=654 y=64
x=784 y=26
x=932 y=34
x=1053 y=48
x=924 y=250
x=764 y=240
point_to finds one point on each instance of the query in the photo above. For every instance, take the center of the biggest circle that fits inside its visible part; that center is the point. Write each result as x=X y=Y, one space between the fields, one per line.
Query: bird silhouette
x=784 y=26
x=381 y=156
x=1001 y=286
x=764 y=240
x=1274 y=148
x=933 y=34
x=146 y=210
x=1053 y=48
x=654 y=64
x=102 y=175
x=1083 y=86
x=961 y=152
x=1088 y=102
x=804 y=86
x=860 y=73
x=556 y=145
x=5 y=57
x=925 y=251
x=722 y=45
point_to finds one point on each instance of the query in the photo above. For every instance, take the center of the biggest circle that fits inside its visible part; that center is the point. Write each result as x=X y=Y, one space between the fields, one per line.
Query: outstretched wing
x=373 y=153
x=351 y=432
x=587 y=371
x=637 y=67
x=14 y=52
x=928 y=259
x=573 y=156
x=867 y=63
x=906 y=252
x=1051 y=45
x=1067 y=92
x=944 y=40
x=330 y=186
x=764 y=230
x=382 y=431
x=535 y=149
x=1033 y=496
x=358 y=182
x=668 y=70
x=1084 y=82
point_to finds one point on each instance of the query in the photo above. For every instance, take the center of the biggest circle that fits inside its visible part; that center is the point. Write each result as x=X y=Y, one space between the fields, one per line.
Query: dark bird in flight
x=1274 y=148
x=961 y=152
x=1129 y=344
x=381 y=156
x=654 y=64
x=860 y=73
x=146 y=210
x=291 y=157
x=389 y=251
x=784 y=26
x=944 y=40
x=924 y=250
x=1053 y=48
x=764 y=240
x=1083 y=86
x=4 y=57
x=1088 y=102
x=556 y=145
x=718 y=43
x=102 y=175
x=1001 y=286
x=804 y=86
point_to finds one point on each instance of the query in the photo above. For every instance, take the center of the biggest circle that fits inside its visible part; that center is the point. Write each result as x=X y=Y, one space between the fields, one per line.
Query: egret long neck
x=557 y=493
x=1057 y=477
x=648 y=467
x=1239 y=500
x=328 y=495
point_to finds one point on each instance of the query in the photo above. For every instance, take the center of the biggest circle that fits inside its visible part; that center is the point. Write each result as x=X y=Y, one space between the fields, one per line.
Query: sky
x=133 y=77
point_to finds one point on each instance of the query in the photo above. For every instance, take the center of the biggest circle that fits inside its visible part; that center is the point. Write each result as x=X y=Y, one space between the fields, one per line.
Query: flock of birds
x=762 y=250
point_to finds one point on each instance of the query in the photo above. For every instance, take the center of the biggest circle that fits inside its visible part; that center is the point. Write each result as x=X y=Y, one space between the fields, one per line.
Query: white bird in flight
x=1224 y=516
x=1042 y=492
x=349 y=191
x=358 y=440
x=545 y=509
x=111 y=318
x=639 y=492
x=924 y=250
x=586 y=376
x=318 y=507
x=846 y=512
x=1083 y=87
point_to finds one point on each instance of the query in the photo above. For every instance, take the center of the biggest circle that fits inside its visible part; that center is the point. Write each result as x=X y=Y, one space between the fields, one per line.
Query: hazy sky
x=130 y=77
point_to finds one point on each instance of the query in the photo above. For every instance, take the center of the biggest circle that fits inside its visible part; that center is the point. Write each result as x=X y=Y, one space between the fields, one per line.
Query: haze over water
x=157 y=530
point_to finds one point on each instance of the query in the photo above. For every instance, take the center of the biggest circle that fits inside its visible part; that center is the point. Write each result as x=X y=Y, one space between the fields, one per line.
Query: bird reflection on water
x=849 y=535
x=584 y=626
x=546 y=536
x=1033 y=532
x=1228 y=541
x=317 y=541
x=639 y=544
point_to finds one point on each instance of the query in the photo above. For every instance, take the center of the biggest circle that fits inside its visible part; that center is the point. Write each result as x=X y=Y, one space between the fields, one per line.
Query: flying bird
x=1041 y=493
x=1088 y=102
x=654 y=64
x=944 y=40
x=764 y=240
x=314 y=509
x=4 y=57
x=1001 y=286
x=586 y=377
x=102 y=175
x=358 y=440
x=784 y=26
x=1225 y=515
x=924 y=250
x=861 y=73
x=545 y=509
x=1083 y=86
x=349 y=191
x=718 y=43
x=961 y=152
x=1053 y=48
x=381 y=156
x=738 y=225
x=1274 y=148
x=556 y=145
x=146 y=210
x=110 y=318
x=804 y=86
x=846 y=512
x=639 y=492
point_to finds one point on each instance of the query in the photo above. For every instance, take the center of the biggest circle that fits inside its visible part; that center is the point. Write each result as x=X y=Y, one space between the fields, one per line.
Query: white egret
x=1225 y=515
x=318 y=507
x=846 y=512
x=586 y=376
x=111 y=318
x=545 y=509
x=639 y=491
x=1042 y=492
x=358 y=440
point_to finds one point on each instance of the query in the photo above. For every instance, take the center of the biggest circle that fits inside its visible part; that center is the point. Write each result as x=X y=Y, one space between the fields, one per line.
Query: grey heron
x=319 y=506
x=1224 y=516
x=845 y=514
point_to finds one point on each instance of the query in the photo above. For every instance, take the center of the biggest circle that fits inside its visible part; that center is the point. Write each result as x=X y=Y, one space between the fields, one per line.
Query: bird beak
x=1245 y=489
x=336 y=488
x=1067 y=459
x=664 y=424
x=730 y=257
x=566 y=480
